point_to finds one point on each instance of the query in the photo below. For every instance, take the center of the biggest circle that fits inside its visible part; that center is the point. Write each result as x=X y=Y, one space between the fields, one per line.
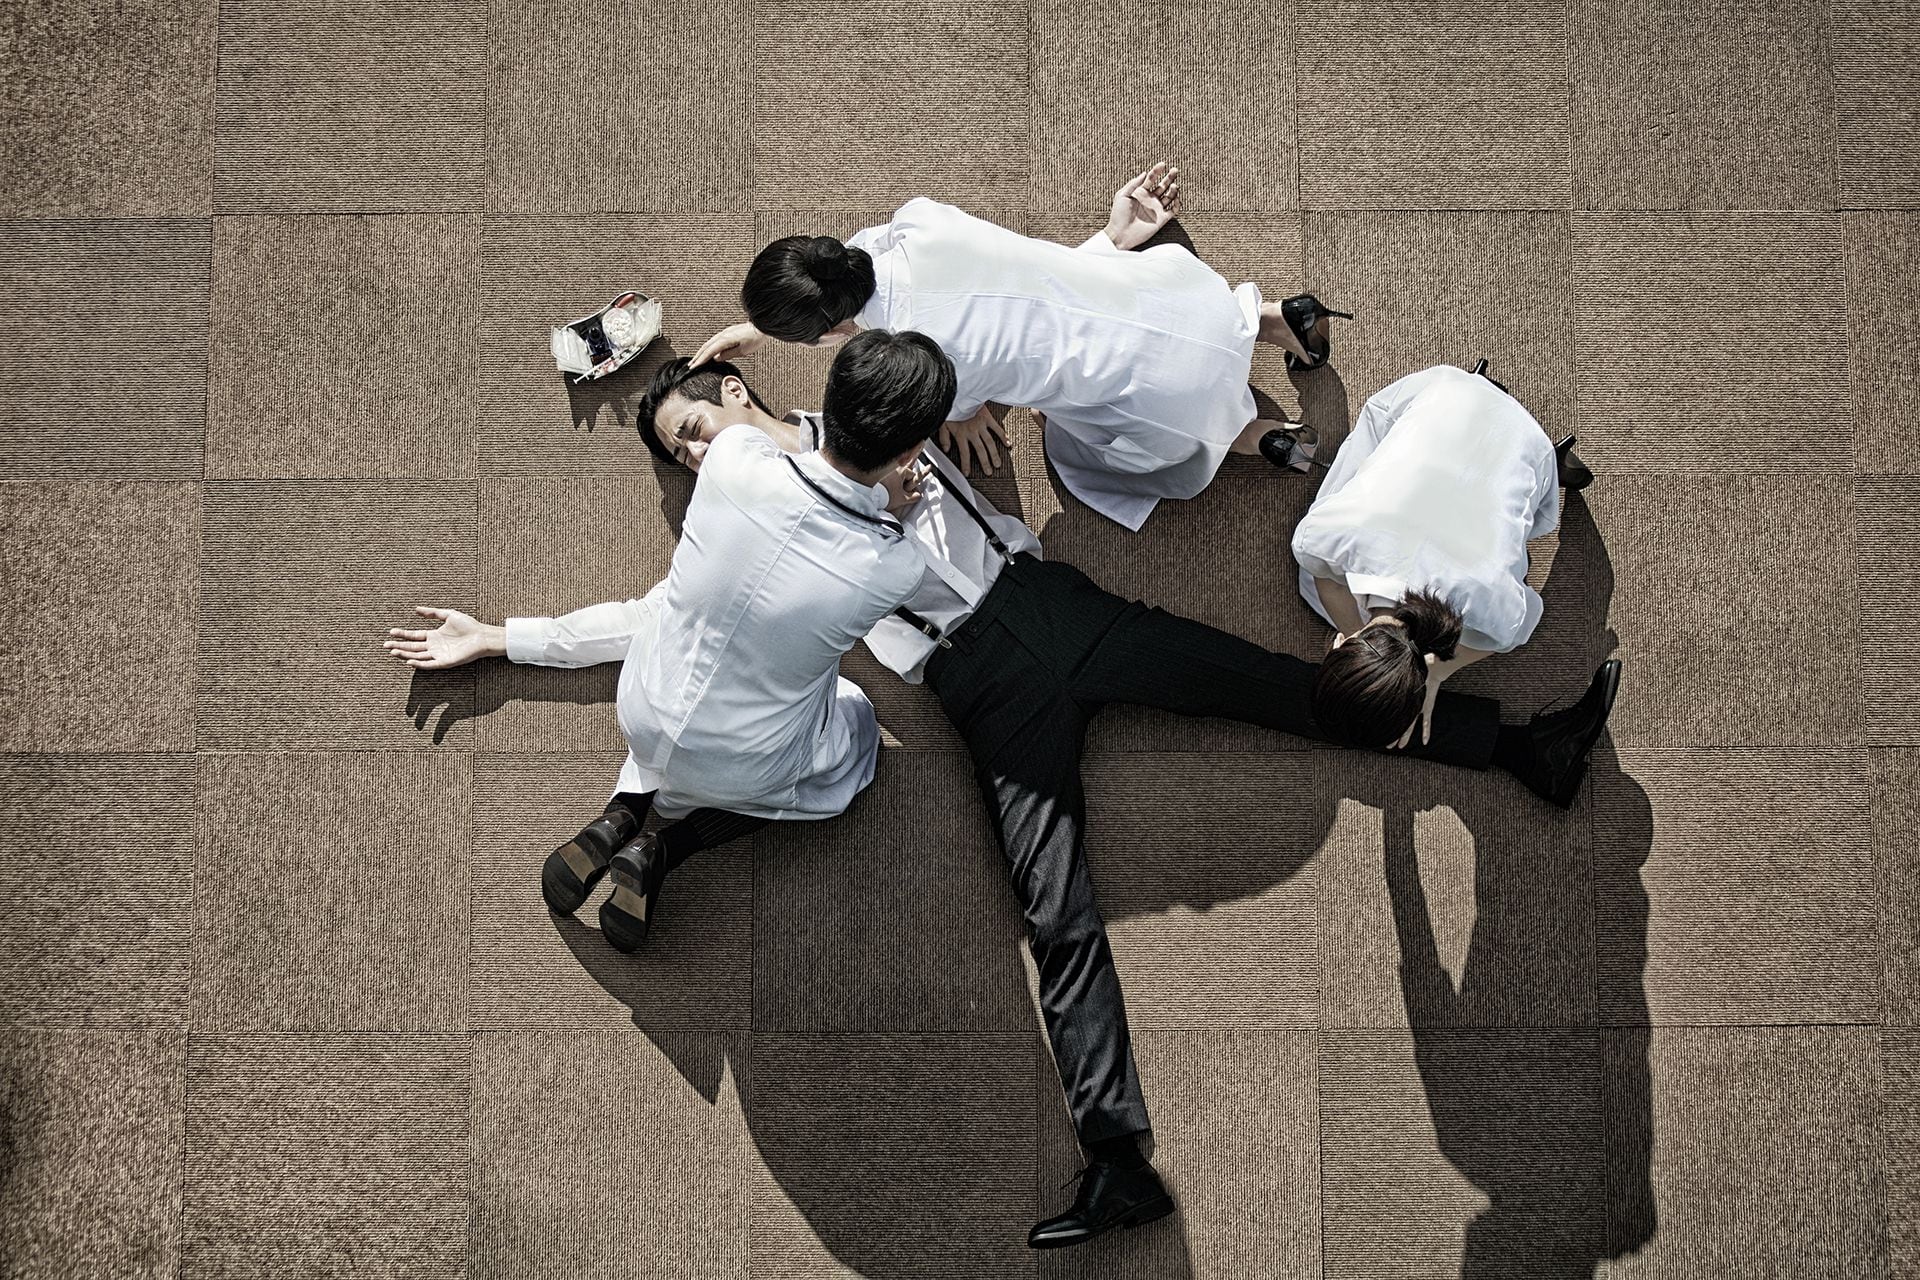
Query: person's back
x=1015 y=313
x=1443 y=481
x=765 y=590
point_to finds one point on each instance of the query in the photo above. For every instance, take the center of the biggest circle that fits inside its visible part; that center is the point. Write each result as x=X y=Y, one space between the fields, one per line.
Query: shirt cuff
x=527 y=639
x=1098 y=241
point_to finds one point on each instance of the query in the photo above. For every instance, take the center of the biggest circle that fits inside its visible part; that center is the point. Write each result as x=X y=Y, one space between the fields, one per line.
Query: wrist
x=493 y=640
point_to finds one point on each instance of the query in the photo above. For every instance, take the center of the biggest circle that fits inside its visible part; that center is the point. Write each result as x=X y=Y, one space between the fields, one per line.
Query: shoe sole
x=624 y=915
x=562 y=887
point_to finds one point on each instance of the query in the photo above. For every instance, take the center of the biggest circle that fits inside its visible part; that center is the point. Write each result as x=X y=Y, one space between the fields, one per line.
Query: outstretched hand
x=1146 y=203
x=904 y=488
x=731 y=343
x=459 y=639
x=965 y=441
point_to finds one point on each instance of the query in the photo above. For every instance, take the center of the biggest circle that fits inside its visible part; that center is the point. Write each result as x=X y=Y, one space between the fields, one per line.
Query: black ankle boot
x=1574 y=474
x=564 y=888
x=1562 y=740
x=638 y=872
x=1112 y=1194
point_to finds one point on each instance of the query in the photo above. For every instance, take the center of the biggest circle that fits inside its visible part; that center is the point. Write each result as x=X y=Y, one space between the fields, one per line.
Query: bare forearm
x=1340 y=605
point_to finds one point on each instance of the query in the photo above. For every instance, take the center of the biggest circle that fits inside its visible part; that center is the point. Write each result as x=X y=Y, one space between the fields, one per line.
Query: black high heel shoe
x=1480 y=369
x=1575 y=475
x=1307 y=316
x=1291 y=448
x=638 y=872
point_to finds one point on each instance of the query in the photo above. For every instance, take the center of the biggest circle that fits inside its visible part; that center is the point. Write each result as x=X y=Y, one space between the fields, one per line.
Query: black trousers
x=681 y=838
x=1046 y=650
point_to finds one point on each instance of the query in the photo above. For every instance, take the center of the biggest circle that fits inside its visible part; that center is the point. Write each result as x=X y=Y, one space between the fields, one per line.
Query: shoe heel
x=1152 y=1211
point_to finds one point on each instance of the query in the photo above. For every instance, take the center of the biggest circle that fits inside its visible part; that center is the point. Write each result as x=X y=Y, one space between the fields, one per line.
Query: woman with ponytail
x=1138 y=361
x=1415 y=549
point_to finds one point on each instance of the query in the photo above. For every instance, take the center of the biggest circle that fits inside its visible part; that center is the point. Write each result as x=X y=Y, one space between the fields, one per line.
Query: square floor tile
x=121 y=561
x=116 y=952
x=1452 y=1152
x=539 y=272
x=895 y=916
x=351 y=106
x=301 y=581
x=1452 y=105
x=1883 y=339
x=1450 y=898
x=1896 y=856
x=1209 y=896
x=1888 y=511
x=342 y=347
x=547 y=547
x=1678 y=351
x=331 y=893
x=72 y=411
x=93 y=1123
x=1761 y=1156
x=137 y=76
x=898 y=1155
x=310 y=1154
x=1235 y=1137
x=557 y=1190
x=1876 y=101
x=1900 y=1145
x=953 y=79
x=1449 y=288
x=1695 y=104
x=1755 y=890
x=631 y=106
x=1700 y=671
x=533 y=970
x=1219 y=75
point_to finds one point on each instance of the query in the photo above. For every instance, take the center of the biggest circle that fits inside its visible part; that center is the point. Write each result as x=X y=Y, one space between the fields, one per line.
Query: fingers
x=711 y=350
x=1156 y=175
x=1131 y=185
x=999 y=429
x=399 y=634
x=426 y=611
x=991 y=454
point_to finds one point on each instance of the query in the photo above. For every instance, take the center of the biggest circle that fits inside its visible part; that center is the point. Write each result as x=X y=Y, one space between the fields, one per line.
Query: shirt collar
x=891 y=306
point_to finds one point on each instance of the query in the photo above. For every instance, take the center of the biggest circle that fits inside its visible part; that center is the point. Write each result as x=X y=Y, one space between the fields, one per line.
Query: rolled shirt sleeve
x=583 y=638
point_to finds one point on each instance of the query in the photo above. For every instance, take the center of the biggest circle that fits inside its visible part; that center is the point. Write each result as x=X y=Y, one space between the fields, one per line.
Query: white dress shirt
x=1139 y=360
x=730 y=695
x=1441 y=484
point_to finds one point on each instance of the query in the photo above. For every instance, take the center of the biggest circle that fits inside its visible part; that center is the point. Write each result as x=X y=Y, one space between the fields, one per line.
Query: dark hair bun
x=825 y=258
x=1432 y=624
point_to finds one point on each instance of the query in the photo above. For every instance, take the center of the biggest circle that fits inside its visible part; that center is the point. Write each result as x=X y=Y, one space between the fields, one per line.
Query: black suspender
x=895 y=529
x=993 y=539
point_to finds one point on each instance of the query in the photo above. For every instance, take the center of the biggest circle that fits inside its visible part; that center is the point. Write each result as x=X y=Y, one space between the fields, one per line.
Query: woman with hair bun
x=1415 y=549
x=1138 y=361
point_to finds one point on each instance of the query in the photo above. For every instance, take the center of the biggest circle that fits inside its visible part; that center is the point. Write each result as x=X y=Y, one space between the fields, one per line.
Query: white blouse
x=1139 y=360
x=1441 y=484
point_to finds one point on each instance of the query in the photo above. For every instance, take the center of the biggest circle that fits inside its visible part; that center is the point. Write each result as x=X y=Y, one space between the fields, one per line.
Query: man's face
x=688 y=426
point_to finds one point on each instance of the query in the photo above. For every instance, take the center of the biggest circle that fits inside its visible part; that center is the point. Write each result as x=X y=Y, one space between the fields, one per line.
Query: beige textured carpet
x=277 y=994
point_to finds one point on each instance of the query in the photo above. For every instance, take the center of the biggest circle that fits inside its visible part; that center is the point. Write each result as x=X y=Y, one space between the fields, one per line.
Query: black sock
x=1513 y=749
x=1123 y=1150
x=634 y=803
x=703 y=829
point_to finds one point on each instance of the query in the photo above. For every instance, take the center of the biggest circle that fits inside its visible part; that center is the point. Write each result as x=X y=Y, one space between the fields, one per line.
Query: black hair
x=1370 y=689
x=801 y=286
x=680 y=376
x=886 y=393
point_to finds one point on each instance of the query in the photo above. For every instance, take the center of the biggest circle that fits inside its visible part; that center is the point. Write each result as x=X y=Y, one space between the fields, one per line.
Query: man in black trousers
x=1023 y=654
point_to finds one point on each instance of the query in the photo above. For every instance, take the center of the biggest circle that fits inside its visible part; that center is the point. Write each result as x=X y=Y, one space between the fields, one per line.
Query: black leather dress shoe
x=638 y=871
x=1562 y=740
x=1291 y=448
x=562 y=882
x=1111 y=1195
x=1574 y=474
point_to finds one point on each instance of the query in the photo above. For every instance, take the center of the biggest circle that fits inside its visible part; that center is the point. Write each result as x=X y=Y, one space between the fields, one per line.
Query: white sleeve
x=1098 y=243
x=584 y=638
